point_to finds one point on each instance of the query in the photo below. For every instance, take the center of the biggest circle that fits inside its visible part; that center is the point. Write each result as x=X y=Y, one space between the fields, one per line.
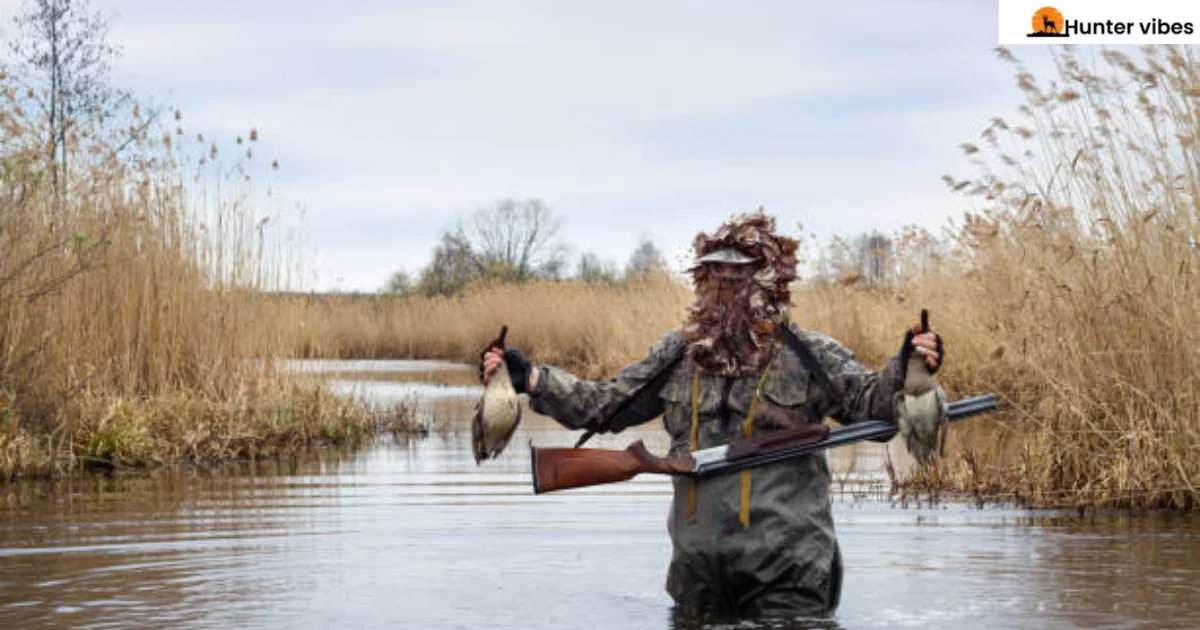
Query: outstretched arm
x=578 y=403
x=866 y=394
x=871 y=394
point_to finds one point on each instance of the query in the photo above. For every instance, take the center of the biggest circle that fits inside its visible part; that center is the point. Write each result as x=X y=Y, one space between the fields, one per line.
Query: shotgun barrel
x=874 y=430
x=565 y=468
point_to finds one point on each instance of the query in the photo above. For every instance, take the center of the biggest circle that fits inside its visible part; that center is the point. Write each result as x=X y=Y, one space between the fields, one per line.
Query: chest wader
x=747 y=432
x=781 y=603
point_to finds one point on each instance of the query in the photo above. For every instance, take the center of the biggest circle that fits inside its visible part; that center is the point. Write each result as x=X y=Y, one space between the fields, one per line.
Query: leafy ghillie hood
x=736 y=338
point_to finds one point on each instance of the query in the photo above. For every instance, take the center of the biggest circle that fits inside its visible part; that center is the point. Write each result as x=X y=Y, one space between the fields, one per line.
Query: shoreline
x=110 y=434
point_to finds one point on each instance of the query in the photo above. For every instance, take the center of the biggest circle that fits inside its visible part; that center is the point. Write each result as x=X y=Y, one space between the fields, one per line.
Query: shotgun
x=565 y=468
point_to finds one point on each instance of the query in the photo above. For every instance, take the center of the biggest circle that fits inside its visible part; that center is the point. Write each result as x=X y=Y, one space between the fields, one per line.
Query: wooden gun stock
x=564 y=468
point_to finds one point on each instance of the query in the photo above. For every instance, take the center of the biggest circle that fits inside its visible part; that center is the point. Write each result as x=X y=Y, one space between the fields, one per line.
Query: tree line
x=517 y=241
x=514 y=240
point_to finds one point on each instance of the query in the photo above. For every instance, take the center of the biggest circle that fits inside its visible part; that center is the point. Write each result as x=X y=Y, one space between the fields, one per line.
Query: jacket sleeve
x=866 y=394
x=577 y=403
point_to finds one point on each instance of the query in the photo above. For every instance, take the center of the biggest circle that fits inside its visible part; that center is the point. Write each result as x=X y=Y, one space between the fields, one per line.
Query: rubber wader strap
x=695 y=442
x=747 y=433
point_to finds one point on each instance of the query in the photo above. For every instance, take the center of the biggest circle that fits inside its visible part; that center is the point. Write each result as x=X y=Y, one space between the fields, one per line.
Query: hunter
x=760 y=543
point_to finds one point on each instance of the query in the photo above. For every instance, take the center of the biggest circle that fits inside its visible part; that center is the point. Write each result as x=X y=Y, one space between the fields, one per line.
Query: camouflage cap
x=752 y=236
x=728 y=255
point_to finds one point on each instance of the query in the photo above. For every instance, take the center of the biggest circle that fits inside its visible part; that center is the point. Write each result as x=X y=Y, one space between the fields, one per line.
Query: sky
x=630 y=120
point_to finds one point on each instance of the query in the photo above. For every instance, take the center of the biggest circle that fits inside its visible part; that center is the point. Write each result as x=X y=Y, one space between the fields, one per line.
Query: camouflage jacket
x=866 y=394
x=788 y=556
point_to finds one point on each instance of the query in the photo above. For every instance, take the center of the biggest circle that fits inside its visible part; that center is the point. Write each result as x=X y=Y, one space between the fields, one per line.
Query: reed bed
x=129 y=330
x=1070 y=290
x=1082 y=264
x=590 y=328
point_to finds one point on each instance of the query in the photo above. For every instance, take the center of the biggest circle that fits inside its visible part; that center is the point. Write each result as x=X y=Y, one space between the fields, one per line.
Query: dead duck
x=923 y=410
x=497 y=413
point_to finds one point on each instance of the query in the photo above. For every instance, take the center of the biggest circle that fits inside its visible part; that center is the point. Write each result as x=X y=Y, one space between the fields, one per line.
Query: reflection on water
x=367 y=367
x=410 y=533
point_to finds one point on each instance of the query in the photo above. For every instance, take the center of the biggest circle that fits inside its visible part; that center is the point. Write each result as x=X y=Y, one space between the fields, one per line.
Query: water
x=410 y=533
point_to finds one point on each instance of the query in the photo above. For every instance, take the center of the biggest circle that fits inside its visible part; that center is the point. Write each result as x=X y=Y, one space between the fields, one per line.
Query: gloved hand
x=519 y=366
x=923 y=411
x=928 y=344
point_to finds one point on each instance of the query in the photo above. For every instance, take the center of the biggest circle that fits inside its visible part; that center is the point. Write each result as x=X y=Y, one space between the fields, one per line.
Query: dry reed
x=128 y=330
x=1071 y=292
x=590 y=328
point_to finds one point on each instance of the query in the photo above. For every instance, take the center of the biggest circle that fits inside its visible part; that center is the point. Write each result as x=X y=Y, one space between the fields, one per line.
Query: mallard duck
x=497 y=413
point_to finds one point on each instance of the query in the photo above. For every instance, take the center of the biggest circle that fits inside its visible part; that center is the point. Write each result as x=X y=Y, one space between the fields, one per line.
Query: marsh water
x=410 y=533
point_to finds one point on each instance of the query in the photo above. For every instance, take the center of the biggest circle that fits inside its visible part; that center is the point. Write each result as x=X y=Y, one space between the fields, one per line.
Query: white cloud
x=628 y=117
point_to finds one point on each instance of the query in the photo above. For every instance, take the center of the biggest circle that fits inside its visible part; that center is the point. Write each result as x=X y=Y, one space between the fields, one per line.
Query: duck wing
x=504 y=439
x=477 y=445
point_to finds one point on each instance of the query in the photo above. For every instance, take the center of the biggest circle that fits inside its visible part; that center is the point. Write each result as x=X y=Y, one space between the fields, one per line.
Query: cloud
x=391 y=118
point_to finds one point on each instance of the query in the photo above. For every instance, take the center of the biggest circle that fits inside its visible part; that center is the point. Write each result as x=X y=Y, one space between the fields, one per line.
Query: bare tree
x=399 y=283
x=874 y=256
x=645 y=259
x=591 y=268
x=513 y=238
x=867 y=258
x=553 y=265
x=453 y=266
x=61 y=55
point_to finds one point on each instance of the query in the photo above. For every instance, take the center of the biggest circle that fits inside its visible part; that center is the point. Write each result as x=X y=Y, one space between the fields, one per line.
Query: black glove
x=518 y=366
x=517 y=363
x=906 y=350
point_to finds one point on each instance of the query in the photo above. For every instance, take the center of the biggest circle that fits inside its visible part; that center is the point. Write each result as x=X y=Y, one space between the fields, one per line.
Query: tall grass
x=591 y=328
x=1070 y=290
x=129 y=332
x=1083 y=262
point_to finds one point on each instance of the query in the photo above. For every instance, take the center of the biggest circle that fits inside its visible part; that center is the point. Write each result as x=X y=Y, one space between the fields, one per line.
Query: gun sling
x=656 y=382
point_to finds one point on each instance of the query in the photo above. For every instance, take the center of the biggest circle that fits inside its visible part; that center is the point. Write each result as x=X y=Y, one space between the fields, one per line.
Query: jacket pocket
x=676 y=395
x=784 y=402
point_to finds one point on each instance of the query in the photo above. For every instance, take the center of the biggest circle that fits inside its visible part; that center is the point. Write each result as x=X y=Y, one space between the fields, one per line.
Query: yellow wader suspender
x=747 y=432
